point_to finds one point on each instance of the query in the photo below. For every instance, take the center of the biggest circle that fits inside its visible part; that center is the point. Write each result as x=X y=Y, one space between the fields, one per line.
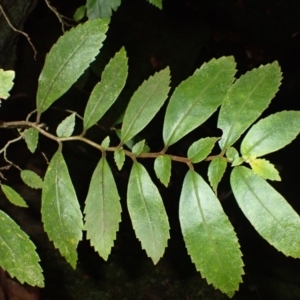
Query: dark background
x=183 y=35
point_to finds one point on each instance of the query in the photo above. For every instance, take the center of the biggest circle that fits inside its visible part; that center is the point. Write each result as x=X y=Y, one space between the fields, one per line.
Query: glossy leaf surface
x=264 y=168
x=162 y=168
x=101 y=8
x=6 y=83
x=32 y=179
x=61 y=213
x=248 y=97
x=197 y=98
x=216 y=171
x=209 y=236
x=147 y=213
x=68 y=59
x=271 y=134
x=107 y=90
x=17 y=253
x=13 y=196
x=66 y=127
x=119 y=157
x=200 y=149
x=31 y=137
x=145 y=103
x=272 y=217
x=102 y=210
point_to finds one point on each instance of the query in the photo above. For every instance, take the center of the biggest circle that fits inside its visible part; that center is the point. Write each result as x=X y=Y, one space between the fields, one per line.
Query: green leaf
x=237 y=161
x=102 y=210
x=66 y=127
x=13 y=196
x=200 y=149
x=162 y=168
x=68 y=59
x=6 y=83
x=31 y=137
x=271 y=134
x=269 y=213
x=209 y=236
x=145 y=103
x=157 y=3
x=138 y=148
x=232 y=153
x=101 y=8
x=107 y=91
x=119 y=157
x=147 y=213
x=32 y=179
x=216 y=171
x=264 y=168
x=61 y=213
x=17 y=253
x=105 y=143
x=248 y=97
x=197 y=98
x=79 y=13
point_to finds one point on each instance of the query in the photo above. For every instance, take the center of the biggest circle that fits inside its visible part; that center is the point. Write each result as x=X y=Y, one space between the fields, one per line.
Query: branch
x=19 y=31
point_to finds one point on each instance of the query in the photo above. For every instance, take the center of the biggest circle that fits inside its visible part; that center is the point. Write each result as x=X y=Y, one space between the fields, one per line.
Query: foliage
x=208 y=234
x=102 y=9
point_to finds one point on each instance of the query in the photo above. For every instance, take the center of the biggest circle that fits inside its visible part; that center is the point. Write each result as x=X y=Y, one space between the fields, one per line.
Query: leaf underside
x=102 y=210
x=209 y=236
x=61 y=213
x=272 y=217
x=147 y=213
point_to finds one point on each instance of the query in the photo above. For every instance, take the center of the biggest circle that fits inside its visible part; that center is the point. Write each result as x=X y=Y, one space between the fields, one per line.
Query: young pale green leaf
x=79 y=13
x=145 y=103
x=138 y=148
x=216 y=171
x=68 y=59
x=61 y=213
x=32 y=179
x=17 y=253
x=232 y=153
x=119 y=157
x=66 y=127
x=13 y=196
x=147 y=213
x=264 y=168
x=157 y=3
x=107 y=91
x=209 y=236
x=162 y=168
x=101 y=8
x=197 y=98
x=102 y=210
x=237 y=161
x=269 y=213
x=200 y=149
x=6 y=83
x=248 y=97
x=31 y=137
x=271 y=134
x=105 y=143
